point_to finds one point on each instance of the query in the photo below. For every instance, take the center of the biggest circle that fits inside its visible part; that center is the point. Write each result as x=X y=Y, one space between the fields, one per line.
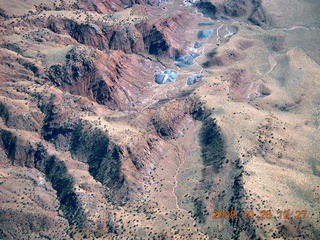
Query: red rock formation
x=109 y=80
x=164 y=36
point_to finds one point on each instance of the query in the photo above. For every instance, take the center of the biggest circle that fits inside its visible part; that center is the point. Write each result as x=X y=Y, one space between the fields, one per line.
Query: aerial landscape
x=159 y=119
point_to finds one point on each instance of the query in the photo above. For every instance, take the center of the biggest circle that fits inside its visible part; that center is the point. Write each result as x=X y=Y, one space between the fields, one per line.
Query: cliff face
x=162 y=37
x=127 y=39
x=157 y=37
x=79 y=76
x=107 y=80
x=99 y=35
x=136 y=119
x=74 y=112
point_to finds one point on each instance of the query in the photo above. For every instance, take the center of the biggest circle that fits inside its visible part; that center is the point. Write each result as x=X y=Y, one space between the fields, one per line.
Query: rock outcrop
x=106 y=80
x=163 y=36
x=129 y=119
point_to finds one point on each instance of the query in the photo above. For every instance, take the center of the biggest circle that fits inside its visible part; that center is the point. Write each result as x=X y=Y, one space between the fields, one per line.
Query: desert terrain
x=153 y=119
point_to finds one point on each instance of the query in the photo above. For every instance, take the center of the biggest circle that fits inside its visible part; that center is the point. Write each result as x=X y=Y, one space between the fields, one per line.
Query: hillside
x=141 y=119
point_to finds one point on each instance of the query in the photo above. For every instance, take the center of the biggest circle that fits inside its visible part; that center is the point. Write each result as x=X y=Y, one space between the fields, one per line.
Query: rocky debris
x=166 y=76
x=129 y=3
x=79 y=62
x=230 y=8
x=87 y=34
x=86 y=144
x=140 y=159
x=157 y=37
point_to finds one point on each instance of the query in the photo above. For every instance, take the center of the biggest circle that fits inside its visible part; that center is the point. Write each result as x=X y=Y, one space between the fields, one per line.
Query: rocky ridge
x=98 y=142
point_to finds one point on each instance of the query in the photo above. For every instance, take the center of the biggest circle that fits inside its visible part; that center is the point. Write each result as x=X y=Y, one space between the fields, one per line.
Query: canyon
x=139 y=119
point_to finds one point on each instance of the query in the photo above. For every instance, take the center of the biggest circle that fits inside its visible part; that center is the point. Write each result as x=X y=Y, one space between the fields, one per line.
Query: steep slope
x=158 y=120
